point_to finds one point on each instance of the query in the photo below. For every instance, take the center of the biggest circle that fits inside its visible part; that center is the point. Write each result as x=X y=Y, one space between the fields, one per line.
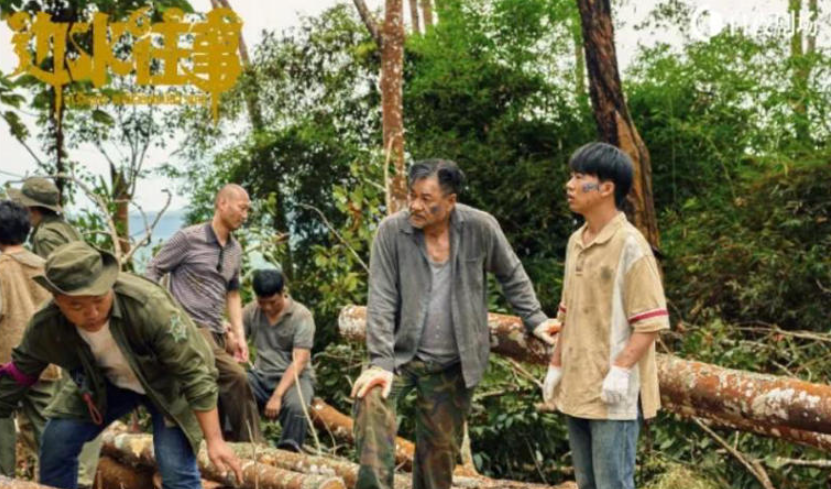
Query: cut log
x=112 y=474
x=327 y=418
x=812 y=439
x=768 y=400
x=6 y=483
x=137 y=450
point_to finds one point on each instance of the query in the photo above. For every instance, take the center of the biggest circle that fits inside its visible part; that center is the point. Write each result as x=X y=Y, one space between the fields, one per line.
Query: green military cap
x=38 y=192
x=77 y=268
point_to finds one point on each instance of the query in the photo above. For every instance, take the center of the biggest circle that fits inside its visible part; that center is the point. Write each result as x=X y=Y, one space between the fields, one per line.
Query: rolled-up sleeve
x=383 y=300
x=508 y=269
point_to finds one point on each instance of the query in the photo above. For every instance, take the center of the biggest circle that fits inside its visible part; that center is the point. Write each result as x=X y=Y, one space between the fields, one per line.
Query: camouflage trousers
x=442 y=406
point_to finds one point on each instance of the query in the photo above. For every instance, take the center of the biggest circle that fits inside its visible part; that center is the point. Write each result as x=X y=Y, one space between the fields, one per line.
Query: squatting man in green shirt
x=427 y=324
x=125 y=343
x=282 y=330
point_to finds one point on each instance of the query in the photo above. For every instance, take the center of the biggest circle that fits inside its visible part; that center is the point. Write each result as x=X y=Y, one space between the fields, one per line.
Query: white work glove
x=546 y=330
x=552 y=379
x=615 y=385
x=371 y=377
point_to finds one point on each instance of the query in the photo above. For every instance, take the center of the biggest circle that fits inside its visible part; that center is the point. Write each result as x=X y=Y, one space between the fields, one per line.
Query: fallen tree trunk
x=112 y=474
x=137 y=450
x=327 y=418
x=767 y=400
x=812 y=439
x=6 y=483
x=762 y=399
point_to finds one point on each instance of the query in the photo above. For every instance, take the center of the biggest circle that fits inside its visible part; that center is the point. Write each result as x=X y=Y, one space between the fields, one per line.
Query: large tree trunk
x=427 y=10
x=732 y=395
x=812 y=439
x=392 y=81
x=799 y=77
x=414 y=16
x=121 y=196
x=614 y=123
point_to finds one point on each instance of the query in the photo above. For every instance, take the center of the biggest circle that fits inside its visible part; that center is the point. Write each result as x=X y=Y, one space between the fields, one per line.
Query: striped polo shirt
x=202 y=272
x=612 y=288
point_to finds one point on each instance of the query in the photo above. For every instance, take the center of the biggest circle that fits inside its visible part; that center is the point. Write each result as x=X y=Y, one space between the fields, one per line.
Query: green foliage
x=764 y=259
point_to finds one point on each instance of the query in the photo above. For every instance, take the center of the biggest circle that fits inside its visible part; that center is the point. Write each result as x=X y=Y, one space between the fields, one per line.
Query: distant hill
x=170 y=222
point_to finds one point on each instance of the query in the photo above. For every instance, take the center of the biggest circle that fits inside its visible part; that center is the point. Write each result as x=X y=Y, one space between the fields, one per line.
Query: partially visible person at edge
x=602 y=373
x=204 y=262
x=20 y=296
x=282 y=330
x=427 y=325
x=51 y=230
x=125 y=343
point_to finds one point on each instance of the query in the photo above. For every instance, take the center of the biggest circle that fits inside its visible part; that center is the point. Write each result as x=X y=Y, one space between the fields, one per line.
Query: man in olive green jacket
x=42 y=197
x=125 y=343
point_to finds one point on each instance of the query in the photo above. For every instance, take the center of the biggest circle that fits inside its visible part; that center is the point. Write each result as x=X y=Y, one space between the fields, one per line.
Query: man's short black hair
x=14 y=223
x=268 y=281
x=451 y=177
x=607 y=163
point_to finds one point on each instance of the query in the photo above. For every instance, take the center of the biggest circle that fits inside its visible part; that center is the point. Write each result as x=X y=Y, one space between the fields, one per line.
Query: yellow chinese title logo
x=172 y=53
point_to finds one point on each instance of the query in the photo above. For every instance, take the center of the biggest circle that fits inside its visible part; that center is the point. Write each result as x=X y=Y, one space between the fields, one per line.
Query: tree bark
x=614 y=123
x=414 y=16
x=369 y=21
x=137 y=450
x=121 y=197
x=801 y=73
x=766 y=400
x=427 y=10
x=392 y=103
x=800 y=437
x=112 y=474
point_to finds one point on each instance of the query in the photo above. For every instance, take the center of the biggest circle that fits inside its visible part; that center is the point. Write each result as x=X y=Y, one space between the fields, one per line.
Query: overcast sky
x=277 y=15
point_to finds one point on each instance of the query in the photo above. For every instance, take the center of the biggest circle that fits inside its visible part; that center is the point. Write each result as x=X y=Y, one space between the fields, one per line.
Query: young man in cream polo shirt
x=602 y=373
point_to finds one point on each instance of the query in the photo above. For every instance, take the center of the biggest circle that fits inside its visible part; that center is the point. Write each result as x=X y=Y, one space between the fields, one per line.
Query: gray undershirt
x=438 y=342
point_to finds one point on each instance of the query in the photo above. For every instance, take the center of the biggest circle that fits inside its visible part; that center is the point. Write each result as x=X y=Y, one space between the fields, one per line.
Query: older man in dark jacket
x=427 y=326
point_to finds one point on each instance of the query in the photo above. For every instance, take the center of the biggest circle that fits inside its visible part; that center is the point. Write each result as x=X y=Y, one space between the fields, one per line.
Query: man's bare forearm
x=209 y=422
x=635 y=349
x=234 y=305
x=299 y=362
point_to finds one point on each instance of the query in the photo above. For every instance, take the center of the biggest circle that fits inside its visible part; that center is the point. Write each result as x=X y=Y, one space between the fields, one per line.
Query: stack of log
x=263 y=468
x=767 y=405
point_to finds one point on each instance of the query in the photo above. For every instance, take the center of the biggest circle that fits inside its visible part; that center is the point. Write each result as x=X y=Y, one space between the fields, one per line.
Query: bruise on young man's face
x=428 y=204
